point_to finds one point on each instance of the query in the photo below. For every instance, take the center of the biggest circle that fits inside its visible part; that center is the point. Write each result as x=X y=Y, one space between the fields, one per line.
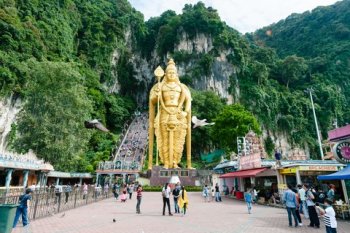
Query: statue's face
x=172 y=75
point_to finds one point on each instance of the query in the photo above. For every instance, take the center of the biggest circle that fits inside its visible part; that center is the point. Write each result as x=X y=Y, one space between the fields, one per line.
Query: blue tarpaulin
x=343 y=174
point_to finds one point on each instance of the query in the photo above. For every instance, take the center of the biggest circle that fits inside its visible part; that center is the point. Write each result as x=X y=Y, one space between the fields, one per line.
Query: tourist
x=217 y=193
x=205 y=193
x=123 y=197
x=23 y=208
x=166 y=198
x=67 y=190
x=138 y=197
x=278 y=157
x=289 y=198
x=131 y=190
x=106 y=189
x=58 y=193
x=176 y=193
x=115 y=190
x=329 y=216
x=254 y=195
x=85 y=190
x=297 y=212
x=331 y=192
x=248 y=200
x=212 y=194
x=314 y=221
x=183 y=200
x=32 y=187
x=303 y=206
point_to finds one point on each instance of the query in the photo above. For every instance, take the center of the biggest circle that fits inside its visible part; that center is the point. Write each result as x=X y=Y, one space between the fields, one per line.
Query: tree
x=232 y=122
x=205 y=105
x=51 y=122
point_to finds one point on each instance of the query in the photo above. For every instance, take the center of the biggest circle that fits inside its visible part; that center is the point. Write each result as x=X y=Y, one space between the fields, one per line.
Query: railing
x=45 y=202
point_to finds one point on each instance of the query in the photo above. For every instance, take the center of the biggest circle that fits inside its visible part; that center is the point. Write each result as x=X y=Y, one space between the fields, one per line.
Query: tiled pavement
x=229 y=216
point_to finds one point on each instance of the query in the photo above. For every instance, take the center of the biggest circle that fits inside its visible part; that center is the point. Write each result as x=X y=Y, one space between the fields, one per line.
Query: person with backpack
x=166 y=198
x=314 y=221
x=176 y=193
x=23 y=208
x=58 y=193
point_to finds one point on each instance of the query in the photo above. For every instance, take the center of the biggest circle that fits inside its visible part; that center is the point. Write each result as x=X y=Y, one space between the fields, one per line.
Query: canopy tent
x=343 y=174
x=244 y=173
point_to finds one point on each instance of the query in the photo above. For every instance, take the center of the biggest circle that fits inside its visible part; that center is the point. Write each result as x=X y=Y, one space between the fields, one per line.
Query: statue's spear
x=159 y=73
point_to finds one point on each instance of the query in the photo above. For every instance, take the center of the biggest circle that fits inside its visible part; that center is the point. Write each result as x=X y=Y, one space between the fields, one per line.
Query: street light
x=310 y=90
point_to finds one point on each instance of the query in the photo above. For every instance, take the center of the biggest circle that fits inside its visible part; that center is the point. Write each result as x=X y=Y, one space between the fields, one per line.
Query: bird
x=64 y=214
x=114 y=220
x=91 y=124
x=200 y=123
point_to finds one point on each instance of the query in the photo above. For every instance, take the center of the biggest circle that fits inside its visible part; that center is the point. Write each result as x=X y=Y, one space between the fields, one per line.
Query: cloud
x=243 y=15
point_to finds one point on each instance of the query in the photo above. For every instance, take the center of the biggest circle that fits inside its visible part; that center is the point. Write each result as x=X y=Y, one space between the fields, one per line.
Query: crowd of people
x=125 y=192
x=132 y=149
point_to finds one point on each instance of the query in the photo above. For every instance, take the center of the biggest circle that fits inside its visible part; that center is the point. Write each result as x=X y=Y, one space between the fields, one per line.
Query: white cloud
x=243 y=15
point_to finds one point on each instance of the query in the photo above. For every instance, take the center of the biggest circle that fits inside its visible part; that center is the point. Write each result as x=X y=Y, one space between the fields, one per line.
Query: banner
x=250 y=161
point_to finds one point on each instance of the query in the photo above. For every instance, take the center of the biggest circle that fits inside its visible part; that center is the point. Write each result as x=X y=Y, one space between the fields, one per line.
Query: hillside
x=322 y=37
x=67 y=61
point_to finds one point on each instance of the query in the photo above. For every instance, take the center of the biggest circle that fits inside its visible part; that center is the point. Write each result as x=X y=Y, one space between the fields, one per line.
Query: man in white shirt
x=302 y=205
x=166 y=198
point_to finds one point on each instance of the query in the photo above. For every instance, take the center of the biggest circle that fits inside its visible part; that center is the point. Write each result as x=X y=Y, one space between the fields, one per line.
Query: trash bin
x=7 y=216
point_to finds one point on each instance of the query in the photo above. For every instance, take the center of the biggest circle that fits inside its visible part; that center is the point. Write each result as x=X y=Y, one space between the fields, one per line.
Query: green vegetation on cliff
x=56 y=56
x=65 y=58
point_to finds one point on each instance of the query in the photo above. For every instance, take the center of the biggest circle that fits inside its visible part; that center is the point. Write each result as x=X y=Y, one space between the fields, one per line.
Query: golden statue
x=172 y=124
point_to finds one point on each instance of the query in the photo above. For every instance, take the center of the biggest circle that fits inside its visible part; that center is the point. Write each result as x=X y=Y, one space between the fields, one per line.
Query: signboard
x=318 y=168
x=288 y=170
x=250 y=161
x=341 y=151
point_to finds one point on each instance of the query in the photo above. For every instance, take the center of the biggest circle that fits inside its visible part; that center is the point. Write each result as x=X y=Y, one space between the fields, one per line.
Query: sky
x=243 y=15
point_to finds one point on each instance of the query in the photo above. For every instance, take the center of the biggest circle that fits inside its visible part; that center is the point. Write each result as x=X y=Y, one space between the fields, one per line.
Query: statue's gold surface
x=172 y=123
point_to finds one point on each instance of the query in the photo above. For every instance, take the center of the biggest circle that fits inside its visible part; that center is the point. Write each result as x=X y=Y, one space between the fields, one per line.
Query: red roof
x=339 y=133
x=244 y=173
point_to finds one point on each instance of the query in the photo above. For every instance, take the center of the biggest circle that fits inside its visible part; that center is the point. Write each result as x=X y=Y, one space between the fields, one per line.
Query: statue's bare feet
x=166 y=166
x=175 y=166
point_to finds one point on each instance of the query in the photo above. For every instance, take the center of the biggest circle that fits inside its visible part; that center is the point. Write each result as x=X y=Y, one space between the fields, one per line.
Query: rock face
x=219 y=78
x=9 y=108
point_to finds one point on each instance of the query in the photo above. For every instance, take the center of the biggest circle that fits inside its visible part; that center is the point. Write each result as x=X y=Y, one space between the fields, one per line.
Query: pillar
x=110 y=179
x=297 y=173
x=124 y=178
x=80 y=181
x=25 y=178
x=252 y=181
x=97 y=177
x=57 y=181
x=345 y=192
x=8 y=178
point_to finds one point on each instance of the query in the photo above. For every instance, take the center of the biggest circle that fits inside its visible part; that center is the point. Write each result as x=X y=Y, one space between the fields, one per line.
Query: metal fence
x=46 y=202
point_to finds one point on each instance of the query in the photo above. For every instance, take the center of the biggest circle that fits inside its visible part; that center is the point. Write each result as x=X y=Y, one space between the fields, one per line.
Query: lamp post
x=310 y=90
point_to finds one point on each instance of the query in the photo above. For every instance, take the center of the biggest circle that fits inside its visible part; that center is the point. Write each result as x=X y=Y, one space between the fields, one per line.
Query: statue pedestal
x=160 y=176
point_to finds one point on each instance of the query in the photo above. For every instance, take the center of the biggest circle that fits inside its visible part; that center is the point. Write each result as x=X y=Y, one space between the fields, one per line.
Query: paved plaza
x=229 y=216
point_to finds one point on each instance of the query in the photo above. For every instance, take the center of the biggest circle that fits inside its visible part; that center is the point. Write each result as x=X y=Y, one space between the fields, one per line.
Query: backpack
x=163 y=193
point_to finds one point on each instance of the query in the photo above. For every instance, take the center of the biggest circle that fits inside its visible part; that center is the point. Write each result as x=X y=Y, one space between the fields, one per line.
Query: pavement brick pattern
x=229 y=216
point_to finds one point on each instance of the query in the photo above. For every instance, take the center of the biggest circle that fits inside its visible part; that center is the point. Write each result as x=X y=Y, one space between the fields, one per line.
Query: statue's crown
x=171 y=66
